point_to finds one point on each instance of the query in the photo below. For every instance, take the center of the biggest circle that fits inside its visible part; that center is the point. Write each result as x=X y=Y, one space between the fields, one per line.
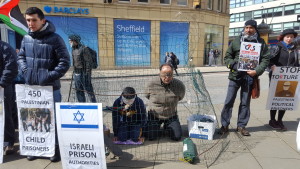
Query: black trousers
x=171 y=125
x=9 y=128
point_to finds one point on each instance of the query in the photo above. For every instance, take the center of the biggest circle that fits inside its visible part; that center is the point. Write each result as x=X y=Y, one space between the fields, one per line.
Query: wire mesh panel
x=133 y=47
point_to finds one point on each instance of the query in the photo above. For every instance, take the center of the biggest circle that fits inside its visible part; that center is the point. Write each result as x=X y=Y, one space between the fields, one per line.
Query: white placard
x=36 y=120
x=80 y=135
x=284 y=90
x=249 y=56
x=2 y=123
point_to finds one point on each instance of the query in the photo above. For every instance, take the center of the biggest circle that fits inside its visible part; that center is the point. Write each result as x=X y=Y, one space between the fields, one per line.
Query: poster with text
x=174 y=37
x=36 y=120
x=2 y=117
x=132 y=43
x=249 y=56
x=284 y=91
x=80 y=135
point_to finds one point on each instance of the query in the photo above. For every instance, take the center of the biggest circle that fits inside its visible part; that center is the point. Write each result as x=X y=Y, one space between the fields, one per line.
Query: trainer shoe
x=243 y=131
x=8 y=150
x=274 y=124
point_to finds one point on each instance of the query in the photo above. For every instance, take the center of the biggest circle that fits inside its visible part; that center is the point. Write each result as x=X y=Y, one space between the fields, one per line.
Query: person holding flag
x=43 y=58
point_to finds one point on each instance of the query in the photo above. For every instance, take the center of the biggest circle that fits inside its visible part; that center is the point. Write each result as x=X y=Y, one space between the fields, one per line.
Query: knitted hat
x=289 y=31
x=75 y=38
x=252 y=23
x=128 y=93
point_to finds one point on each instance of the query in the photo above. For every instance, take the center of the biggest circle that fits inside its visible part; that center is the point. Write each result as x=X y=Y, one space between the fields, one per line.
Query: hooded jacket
x=43 y=57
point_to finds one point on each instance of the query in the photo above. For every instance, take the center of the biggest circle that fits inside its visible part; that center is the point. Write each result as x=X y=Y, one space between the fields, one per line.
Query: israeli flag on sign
x=80 y=116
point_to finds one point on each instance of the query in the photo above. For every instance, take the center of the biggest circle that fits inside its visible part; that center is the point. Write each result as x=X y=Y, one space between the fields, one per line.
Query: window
x=297 y=25
x=143 y=1
x=257 y=1
x=219 y=5
x=297 y=9
x=276 y=27
x=248 y=16
x=289 y=10
x=277 y=11
x=182 y=2
x=288 y=25
x=209 y=4
x=257 y=14
x=165 y=1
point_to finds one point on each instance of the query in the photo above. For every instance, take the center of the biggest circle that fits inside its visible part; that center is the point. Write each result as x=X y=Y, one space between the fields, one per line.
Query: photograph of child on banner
x=36 y=119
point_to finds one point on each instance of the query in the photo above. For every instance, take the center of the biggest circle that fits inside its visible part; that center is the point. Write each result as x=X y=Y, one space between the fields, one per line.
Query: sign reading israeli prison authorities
x=2 y=117
x=80 y=135
x=36 y=120
x=284 y=91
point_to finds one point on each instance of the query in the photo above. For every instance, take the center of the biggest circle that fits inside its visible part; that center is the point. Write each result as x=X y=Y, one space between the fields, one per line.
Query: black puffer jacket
x=8 y=64
x=281 y=56
x=43 y=57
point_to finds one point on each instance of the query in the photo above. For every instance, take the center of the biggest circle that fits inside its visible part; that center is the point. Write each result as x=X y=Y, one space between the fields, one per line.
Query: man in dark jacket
x=43 y=57
x=8 y=71
x=242 y=79
x=82 y=61
x=164 y=93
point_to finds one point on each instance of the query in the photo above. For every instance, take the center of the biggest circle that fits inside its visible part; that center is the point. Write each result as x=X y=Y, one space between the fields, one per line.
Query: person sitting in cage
x=128 y=115
x=164 y=92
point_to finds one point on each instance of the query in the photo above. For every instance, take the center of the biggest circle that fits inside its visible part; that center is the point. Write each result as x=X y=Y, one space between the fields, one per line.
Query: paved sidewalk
x=264 y=149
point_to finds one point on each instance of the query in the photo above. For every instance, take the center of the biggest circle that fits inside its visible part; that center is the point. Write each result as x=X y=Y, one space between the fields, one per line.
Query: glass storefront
x=213 y=40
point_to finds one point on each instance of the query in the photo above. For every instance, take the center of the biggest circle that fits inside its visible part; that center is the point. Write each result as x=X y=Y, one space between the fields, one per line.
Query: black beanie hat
x=75 y=38
x=289 y=31
x=128 y=93
x=252 y=23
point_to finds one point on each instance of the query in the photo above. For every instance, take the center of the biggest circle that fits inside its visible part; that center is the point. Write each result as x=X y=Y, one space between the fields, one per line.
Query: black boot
x=56 y=156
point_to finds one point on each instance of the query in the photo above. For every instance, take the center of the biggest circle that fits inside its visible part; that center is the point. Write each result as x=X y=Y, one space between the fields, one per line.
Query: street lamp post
x=264 y=30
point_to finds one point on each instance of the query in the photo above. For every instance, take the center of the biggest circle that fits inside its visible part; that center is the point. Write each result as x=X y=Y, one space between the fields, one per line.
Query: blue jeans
x=83 y=82
x=129 y=131
x=245 y=83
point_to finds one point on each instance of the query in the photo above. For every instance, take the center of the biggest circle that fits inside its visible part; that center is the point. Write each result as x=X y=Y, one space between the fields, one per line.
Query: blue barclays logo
x=66 y=10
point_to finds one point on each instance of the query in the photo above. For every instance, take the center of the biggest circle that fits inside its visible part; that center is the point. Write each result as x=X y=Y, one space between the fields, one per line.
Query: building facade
x=132 y=34
x=278 y=14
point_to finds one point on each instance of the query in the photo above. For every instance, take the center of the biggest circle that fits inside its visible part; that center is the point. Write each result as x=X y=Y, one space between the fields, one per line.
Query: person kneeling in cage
x=129 y=114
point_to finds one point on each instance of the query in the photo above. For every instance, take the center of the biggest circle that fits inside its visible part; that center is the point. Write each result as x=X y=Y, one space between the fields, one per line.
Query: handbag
x=255 y=88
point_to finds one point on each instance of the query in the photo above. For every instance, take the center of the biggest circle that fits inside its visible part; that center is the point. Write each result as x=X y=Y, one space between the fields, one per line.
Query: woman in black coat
x=285 y=54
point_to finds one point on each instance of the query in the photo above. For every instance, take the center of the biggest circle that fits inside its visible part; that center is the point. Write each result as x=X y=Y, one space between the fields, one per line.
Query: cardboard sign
x=249 y=56
x=80 y=135
x=284 y=90
x=36 y=120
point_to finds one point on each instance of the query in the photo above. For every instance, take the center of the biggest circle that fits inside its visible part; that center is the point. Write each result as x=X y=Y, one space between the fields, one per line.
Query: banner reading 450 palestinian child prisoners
x=36 y=120
x=80 y=135
x=284 y=89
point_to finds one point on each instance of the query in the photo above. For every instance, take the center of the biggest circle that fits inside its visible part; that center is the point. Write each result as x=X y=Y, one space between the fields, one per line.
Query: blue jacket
x=8 y=64
x=137 y=117
x=43 y=57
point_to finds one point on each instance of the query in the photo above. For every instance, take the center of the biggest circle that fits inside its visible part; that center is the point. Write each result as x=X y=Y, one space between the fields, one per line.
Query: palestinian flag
x=11 y=15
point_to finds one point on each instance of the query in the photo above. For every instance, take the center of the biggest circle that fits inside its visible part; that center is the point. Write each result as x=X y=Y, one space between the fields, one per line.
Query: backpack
x=93 y=61
x=177 y=61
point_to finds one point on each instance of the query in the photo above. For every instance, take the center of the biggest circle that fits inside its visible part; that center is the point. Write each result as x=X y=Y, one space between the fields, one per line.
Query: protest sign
x=80 y=135
x=2 y=117
x=36 y=120
x=284 y=90
x=249 y=56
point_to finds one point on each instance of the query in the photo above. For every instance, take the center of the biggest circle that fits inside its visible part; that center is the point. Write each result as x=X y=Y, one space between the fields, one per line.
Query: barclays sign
x=66 y=10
